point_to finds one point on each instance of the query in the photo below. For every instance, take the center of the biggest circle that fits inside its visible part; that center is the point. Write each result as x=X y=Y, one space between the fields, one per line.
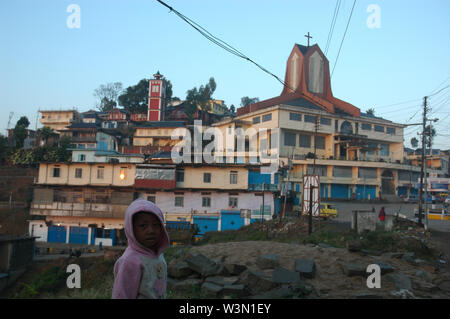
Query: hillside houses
x=358 y=156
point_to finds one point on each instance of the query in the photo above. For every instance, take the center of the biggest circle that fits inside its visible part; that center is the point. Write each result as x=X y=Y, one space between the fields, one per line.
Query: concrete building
x=59 y=119
x=435 y=159
x=156 y=133
x=358 y=155
x=86 y=202
x=90 y=136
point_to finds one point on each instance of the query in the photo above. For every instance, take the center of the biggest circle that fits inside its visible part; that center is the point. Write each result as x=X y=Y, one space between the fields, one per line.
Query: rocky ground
x=416 y=268
x=277 y=259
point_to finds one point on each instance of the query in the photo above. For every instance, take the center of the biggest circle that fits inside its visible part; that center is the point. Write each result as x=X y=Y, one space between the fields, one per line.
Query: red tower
x=156 y=98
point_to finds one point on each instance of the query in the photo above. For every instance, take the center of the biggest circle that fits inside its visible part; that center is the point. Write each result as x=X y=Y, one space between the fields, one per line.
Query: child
x=141 y=272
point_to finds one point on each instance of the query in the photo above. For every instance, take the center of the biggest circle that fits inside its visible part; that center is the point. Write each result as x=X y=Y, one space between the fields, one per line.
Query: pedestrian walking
x=382 y=214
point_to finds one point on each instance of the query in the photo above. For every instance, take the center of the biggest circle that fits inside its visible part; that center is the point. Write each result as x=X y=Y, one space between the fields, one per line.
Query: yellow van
x=328 y=210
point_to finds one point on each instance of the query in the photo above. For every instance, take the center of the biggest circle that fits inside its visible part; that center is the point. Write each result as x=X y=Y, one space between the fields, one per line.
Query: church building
x=358 y=155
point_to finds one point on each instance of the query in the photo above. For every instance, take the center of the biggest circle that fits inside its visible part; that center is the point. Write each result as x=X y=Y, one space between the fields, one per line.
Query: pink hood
x=141 y=205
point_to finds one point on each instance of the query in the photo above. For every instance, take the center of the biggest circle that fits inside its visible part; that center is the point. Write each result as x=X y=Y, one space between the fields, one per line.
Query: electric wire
x=333 y=23
x=343 y=38
x=222 y=43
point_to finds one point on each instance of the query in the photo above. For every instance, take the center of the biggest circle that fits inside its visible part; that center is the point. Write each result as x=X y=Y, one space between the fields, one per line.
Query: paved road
x=345 y=212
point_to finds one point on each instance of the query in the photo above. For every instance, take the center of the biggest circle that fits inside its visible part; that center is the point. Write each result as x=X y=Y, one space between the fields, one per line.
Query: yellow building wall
x=112 y=174
x=220 y=177
x=46 y=173
x=396 y=151
x=153 y=136
x=58 y=119
x=130 y=174
x=107 y=175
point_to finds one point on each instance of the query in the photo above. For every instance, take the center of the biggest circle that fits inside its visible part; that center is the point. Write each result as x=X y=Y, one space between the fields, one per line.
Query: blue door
x=323 y=190
x=206 y=224
x=79 y=235
x=56 y=234
x=277 y=206
x=339 y=191
x=231 y=219
x=365 y=192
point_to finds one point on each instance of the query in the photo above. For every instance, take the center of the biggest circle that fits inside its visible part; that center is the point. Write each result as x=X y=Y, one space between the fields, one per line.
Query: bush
x=48 y=282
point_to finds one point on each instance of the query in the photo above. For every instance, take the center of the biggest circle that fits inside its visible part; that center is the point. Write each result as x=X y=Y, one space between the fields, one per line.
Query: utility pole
x=423 y=169
x=262 y=209
x=423 y=159
x=311 y=187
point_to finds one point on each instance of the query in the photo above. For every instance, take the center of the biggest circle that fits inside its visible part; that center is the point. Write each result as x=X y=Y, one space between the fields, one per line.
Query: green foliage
x=49 y=281
x=199 y=98
x=20 y=131
x=4 y=149
x=430 y=133
x=414 y=142
x=49 y=154
x=23 y=121
x=20 y=134
x=45 y=133
x=245 y=100
x=135 y=98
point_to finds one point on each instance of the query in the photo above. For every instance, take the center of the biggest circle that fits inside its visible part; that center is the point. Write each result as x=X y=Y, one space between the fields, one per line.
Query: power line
x=342 y=41
x=414 y=100
x=222 y=43
x=333 y=23
x=448 y=86
x=397 y=110
x=383 y=106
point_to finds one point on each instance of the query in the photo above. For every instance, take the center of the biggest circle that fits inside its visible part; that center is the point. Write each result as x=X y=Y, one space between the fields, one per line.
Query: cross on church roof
x=308 y=36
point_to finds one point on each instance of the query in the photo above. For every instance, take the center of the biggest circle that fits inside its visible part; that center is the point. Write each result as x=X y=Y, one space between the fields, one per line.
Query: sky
x=394 y=53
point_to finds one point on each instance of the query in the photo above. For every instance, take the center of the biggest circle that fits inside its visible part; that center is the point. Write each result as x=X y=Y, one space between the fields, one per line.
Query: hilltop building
x=357 y=156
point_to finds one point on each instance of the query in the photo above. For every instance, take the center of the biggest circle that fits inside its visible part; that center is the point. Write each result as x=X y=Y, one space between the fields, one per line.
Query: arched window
x=346 y=127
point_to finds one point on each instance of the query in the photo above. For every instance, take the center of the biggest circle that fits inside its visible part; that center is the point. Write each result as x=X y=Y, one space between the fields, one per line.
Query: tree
x=135 y=98
x=4 y=149
x=23 y=121
x=199 y=98
x=371 y=111
x=245 y=100
x=45 y=133
x=232 y=109
x=169 y=93
x=414 y=142
x=107 y=95
x=20 y=131
x=62 y=151
x=430 y=133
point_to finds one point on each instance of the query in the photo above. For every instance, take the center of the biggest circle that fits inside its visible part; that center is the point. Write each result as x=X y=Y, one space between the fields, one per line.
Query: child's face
x=147 y=229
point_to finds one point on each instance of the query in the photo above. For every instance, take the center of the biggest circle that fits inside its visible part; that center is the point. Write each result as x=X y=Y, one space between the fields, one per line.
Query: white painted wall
x=38 y=229
x=219 y=201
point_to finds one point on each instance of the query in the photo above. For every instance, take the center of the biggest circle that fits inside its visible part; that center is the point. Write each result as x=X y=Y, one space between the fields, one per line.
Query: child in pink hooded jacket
x=141 y=272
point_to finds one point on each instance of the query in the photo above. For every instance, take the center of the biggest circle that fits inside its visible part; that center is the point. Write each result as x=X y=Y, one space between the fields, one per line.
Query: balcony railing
x=78 y=209
x=259 y=187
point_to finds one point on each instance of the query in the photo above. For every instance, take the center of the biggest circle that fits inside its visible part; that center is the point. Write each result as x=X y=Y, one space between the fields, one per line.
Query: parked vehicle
x=328 y=210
